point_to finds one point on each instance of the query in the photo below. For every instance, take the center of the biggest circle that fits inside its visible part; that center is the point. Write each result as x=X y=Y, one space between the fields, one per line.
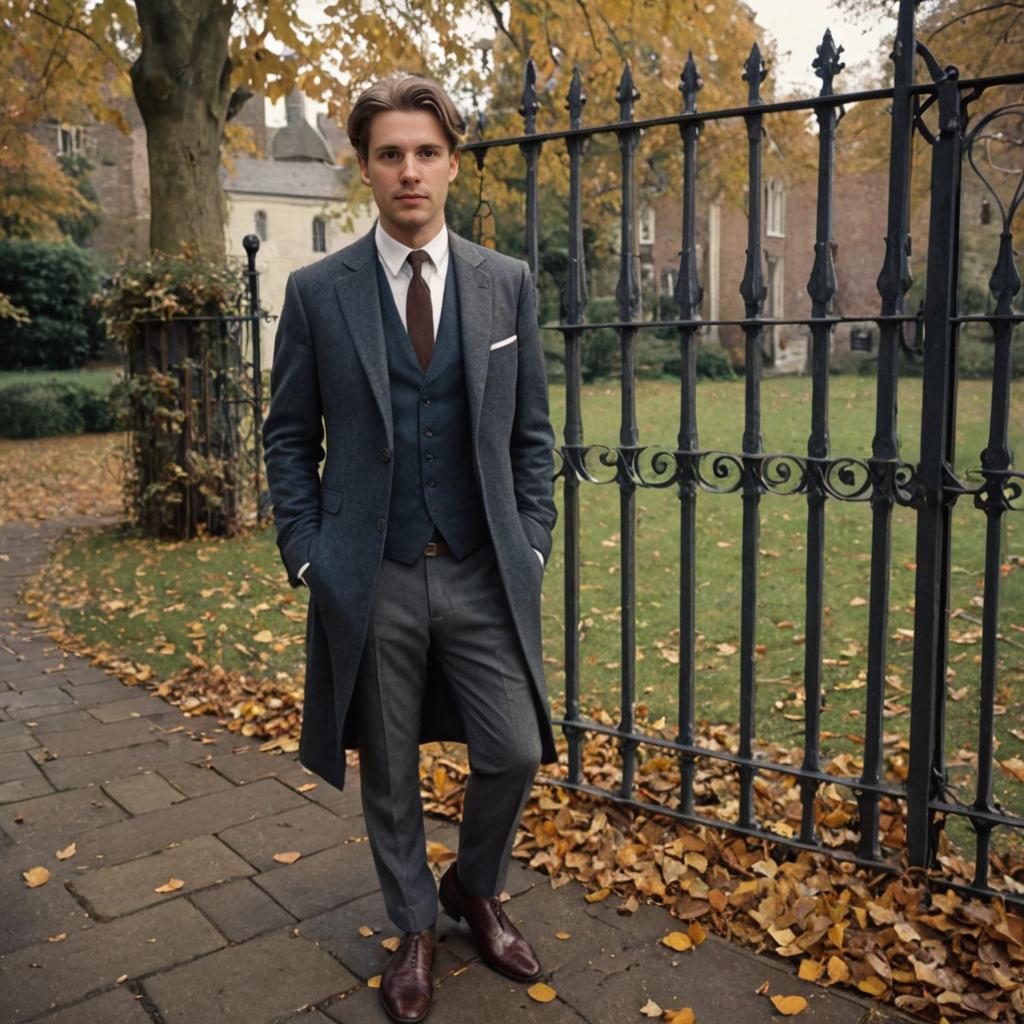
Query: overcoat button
x=385 y=455
x=380 y=525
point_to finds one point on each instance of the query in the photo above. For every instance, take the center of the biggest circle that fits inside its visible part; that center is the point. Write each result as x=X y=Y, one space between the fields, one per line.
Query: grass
x=98 y=379
x=156 y=602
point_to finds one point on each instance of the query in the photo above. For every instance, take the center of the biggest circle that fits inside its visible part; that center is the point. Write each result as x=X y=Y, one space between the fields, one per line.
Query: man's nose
x=409 y=169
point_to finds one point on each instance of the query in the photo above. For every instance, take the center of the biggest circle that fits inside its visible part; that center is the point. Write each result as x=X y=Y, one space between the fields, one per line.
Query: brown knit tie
x=419 y=313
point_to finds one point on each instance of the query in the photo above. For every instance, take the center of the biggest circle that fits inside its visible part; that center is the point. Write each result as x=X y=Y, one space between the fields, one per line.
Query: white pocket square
x=504 y=342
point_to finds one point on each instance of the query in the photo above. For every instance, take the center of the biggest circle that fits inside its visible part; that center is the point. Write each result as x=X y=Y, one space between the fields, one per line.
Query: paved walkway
x=147 y=794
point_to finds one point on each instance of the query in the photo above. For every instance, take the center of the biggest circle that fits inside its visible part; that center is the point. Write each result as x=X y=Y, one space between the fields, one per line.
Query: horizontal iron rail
x=756 y=763
x=810 y=103
x=744 y=322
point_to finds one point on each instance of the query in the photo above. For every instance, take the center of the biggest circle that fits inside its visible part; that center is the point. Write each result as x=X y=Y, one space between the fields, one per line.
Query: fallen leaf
x=811 y=970
x=541 y=993
x=365 y=930
x=373 y=982
x=562 y=935
x=36 y=876
x=60 y=937
x=678 y=941
x=697 y=932
x=596 y=897
x=683 y=1016
x=872 y=986
x=68 y=851
x=290 y=857
x=120 y=979
x=391 y=943
x=171 y=885
x=837 y=969
x=789 y=1006
x=651 y=1009
x=306 y=787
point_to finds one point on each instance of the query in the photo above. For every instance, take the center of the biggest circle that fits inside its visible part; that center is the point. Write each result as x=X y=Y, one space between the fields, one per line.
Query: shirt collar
x=394 y=253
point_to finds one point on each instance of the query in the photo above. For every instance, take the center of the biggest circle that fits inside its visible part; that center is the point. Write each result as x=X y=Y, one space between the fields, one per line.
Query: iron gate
x=930 y=487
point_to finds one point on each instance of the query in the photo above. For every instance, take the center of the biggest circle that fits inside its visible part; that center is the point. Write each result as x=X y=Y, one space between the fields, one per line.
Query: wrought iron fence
x=196 y=432
x=930 y=487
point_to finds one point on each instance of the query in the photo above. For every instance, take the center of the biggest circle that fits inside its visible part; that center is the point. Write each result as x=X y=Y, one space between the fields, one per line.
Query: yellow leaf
x=811 y=970
x=541 y=993
x=391 y=943
x=683 y=1016
x=306 y=787
x=170 y=885
x=58 y=938
x=438 y=853
x=374 y=982
x=264 y=636
x=68 y=851
x=872 y=986
x=562 y=935
x=678 y=941
x=651 y=1009
x=290 y=857
x=836 y=933
x=789 y=1006
x=365 y=930
x=596 y=897
x=837 y=969
x=697 y=932
x=36 y=876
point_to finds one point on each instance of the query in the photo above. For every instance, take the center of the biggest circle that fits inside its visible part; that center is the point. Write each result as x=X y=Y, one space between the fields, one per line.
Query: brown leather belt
x=436 y=548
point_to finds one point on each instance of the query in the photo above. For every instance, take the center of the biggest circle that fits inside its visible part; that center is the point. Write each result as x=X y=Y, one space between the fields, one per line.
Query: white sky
x=796 y=25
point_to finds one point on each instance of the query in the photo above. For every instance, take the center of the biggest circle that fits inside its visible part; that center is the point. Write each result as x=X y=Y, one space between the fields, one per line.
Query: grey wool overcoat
x=330 y=371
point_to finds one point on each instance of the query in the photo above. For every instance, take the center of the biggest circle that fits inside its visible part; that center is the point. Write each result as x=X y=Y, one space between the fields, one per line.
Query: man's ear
x=453 y=167
x=363 y=170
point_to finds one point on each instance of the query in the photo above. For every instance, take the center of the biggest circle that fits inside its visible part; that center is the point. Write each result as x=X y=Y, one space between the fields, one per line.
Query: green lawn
x=99 y=379
x=158 y=601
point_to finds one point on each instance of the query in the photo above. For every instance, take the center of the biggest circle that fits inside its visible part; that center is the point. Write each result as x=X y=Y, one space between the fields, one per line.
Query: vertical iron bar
x=996 y=459
x=251 y=244
x=753 y=290
x=894 y=281
x=821 y=288
x=531 y=152
x=688 y=296
x=574 y=305
x=627 y=291
x=938 y=416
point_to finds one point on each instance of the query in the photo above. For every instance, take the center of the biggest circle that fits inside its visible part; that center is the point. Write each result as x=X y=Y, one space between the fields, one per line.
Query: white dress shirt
x=394 y=256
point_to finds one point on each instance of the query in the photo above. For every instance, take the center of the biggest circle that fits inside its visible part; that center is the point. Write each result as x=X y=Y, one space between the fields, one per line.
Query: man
x=423 y=544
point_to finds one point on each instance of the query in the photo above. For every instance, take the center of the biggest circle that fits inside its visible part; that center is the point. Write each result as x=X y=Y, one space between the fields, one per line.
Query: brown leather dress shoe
x=406 y=989
x=500 y=943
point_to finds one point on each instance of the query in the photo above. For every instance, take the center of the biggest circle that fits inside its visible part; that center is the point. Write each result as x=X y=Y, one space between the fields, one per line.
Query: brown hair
x=402 y=91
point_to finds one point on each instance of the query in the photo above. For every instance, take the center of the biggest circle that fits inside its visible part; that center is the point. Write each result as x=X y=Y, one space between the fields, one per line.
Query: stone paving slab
x=63 y=721
x=193 y=779
x=241 y=910
x=98 y=739
x=141 y=706
x=67 y=813
x=50 y=975
x=24 y=789
x=140 y=794
x=199 y=863
x=304 y=830
x=253 y=983
x=17 y=740
x=118 y=1006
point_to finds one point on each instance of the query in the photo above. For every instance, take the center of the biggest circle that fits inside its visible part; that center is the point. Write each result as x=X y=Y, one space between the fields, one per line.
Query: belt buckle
x=431 y=549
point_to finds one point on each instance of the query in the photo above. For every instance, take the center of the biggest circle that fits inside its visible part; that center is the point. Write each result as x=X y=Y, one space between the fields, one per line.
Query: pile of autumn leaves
x=933 y=953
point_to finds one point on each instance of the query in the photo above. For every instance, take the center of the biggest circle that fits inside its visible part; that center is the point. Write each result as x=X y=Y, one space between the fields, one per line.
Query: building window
x=70 y=140
x=775 y=208
x=319 y=235
x=647 y=225
x=260 y=223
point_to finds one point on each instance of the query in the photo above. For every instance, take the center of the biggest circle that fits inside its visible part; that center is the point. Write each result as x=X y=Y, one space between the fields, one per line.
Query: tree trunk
x=181 y=82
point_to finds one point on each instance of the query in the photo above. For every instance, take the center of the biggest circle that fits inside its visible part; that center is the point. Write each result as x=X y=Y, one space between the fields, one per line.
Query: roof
x=292 y=178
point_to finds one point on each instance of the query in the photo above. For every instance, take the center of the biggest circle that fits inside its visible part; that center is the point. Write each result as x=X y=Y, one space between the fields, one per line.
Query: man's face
x=409 y=168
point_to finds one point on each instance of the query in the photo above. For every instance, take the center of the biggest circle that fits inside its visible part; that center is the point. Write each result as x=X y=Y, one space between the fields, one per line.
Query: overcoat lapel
x=476 y=311
x=359 y=301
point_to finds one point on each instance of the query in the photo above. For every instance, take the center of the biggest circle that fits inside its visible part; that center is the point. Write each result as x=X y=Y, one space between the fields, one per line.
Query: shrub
x=45 y=407
x=54 y=284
